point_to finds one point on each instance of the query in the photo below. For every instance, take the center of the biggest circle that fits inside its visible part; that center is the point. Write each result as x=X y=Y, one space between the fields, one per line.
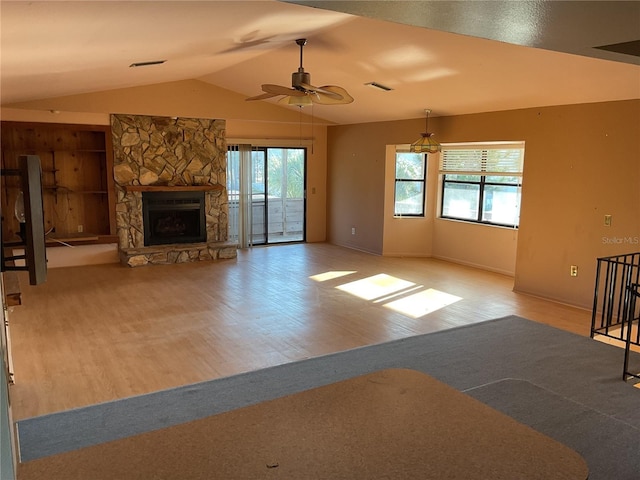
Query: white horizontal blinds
x=483 y=159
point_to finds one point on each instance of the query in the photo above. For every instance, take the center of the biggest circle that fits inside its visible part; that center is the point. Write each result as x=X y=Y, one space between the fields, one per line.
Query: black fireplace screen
x=173 y=217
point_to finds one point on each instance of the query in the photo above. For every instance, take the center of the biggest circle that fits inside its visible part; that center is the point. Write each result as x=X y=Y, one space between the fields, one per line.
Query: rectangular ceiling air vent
x=379 y=86
x=146 y=64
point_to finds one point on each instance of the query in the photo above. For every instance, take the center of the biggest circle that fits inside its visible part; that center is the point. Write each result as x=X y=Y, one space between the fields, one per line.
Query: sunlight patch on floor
x=616 y=342
x=375 y=287
x=422 y=303
x=323 y=277
x=399 y=295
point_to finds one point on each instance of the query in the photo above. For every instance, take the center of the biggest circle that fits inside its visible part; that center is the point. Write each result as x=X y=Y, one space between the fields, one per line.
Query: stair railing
x=633 y=335
x=616 y=308
x=611 y=298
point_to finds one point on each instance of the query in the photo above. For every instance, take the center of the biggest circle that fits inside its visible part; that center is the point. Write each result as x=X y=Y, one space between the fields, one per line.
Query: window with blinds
x=482 y=182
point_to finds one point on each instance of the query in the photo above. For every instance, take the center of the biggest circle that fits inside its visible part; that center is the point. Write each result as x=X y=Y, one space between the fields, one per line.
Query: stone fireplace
x=171 y=196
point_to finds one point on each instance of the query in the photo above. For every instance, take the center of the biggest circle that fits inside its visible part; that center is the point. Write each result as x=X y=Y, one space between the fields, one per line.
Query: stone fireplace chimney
x=163 y=154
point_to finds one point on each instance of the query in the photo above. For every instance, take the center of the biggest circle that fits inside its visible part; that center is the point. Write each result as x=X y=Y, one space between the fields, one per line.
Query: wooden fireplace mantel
x=173 y=188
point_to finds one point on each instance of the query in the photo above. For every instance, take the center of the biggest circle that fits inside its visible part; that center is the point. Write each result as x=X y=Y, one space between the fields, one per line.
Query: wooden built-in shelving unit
x=77 y=179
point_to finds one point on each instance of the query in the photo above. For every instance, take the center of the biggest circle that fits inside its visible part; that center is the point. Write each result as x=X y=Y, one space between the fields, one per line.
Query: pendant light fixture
x=426 y=143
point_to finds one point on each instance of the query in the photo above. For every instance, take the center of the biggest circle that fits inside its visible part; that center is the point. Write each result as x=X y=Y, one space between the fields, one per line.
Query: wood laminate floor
x=97 y=333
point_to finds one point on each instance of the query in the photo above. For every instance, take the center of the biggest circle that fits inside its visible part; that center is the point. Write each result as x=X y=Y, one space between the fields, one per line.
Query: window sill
x=478 y=224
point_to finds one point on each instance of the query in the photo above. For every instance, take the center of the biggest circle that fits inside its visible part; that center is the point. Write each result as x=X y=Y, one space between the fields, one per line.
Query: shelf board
x=53 y=151
x=71 y=237
x=173 y=188
x=68 y=190
x=75 y=150
x=64 y=239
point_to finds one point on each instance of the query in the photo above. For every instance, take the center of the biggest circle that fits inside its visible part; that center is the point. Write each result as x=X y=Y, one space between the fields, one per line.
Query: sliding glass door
x=266 y=187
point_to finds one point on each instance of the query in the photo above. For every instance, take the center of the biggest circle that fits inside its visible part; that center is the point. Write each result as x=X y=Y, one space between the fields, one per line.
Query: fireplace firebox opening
x=173 y=217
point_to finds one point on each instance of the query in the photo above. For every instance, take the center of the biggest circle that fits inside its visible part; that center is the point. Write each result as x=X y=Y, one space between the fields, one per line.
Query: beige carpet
x=391 y=424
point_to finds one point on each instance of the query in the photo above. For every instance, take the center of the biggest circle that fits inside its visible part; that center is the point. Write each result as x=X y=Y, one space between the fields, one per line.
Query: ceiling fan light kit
x=426 y=143
x=302 y=93
x=298 y=101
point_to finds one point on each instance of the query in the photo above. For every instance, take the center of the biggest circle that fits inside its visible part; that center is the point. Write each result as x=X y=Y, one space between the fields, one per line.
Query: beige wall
x=185 y=98
x=409 y=236
x=581 y=162
x=587 y=165
x=357 y=178
x=481 y=246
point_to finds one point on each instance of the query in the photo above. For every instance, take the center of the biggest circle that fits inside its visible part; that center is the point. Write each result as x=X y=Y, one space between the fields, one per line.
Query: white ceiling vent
x=379 y=86
x=147 y=64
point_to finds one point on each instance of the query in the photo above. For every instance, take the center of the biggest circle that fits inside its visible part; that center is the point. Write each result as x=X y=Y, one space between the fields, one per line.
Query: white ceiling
x=57 y=48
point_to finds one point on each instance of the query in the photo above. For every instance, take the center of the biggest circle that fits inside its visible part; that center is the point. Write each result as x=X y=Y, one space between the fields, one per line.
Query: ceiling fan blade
x=312 y=89
x=249 y=41
x=280 y=90
x=331 y=95
x=261 y=97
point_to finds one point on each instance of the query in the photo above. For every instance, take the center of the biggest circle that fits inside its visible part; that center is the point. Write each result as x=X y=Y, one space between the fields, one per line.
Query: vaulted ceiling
x=450 y=56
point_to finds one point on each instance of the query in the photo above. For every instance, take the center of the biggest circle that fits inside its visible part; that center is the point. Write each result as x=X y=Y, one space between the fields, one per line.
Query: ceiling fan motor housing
x=300 y=78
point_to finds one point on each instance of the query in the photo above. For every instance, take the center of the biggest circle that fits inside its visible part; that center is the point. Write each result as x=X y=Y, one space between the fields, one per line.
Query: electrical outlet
x=574 y=271
x=607 y=220
x=80 y=228
x=353 y=230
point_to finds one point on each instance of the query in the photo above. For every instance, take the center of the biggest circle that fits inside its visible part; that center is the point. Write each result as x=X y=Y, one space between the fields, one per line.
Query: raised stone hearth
x=177 y=253
x=169 y=154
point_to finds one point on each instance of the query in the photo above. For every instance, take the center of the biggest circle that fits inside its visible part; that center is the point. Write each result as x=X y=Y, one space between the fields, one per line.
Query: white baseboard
x=476 y=265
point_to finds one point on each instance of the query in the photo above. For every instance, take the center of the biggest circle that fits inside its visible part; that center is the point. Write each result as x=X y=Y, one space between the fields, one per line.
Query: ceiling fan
x=302 y=92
